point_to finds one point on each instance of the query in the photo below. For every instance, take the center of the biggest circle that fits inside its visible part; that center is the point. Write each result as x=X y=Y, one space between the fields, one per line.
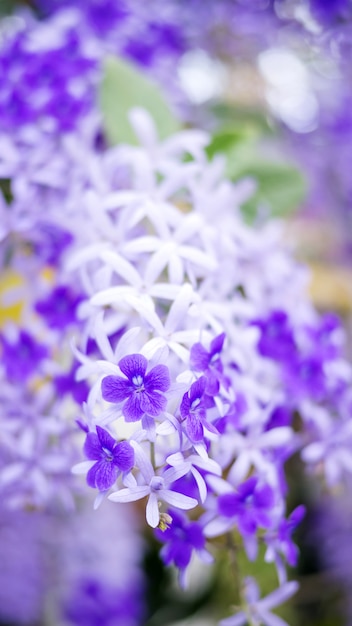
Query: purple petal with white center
x=158 y=378
x=115 y=388
x=133 y=365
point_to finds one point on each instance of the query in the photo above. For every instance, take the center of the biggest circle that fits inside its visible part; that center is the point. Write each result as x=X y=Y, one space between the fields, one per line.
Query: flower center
x=138 y=382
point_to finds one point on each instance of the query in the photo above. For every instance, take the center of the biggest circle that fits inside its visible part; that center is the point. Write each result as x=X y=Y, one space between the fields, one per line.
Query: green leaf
x=281 y=187
x=124 y=87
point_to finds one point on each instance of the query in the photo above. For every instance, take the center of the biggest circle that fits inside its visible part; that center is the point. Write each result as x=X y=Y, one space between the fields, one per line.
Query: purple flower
x=67 y=384
x=181 y=538
x=21 y=358
x=209 y=362
x=251 y=506
x=112 y=458
x=305 y=377
x=193 y=410
x=59 y=308
x=276 y=340
x=140 y=391
x=49 y=242
x=279 y=542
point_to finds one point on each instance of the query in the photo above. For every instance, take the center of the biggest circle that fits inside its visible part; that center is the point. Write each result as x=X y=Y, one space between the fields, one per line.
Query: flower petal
x=152 y=403
x=115 y=388
x=102 y=475
x=92 y=447
x=133 y=365
x=124 y=456
x=105 y=439
x=132 y=409
x=157 y=378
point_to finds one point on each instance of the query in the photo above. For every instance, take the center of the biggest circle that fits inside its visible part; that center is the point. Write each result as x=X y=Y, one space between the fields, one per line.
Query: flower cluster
x=204 y=357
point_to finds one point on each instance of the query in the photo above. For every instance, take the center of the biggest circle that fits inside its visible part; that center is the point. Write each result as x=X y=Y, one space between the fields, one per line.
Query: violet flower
x=193 y=411
x=59 y=308
x=209 y=362
x=22 y=357
x=111 y=458
x=141 y=392
x=181 y=538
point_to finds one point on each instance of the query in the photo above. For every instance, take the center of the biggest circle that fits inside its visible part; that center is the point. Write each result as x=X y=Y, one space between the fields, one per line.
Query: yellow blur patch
x=48 y=274
x=10 y=307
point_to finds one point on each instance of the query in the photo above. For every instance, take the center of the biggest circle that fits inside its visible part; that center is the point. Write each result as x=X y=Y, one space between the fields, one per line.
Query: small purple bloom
x=59 y=308
x=276 y=340
x=181 y=538
x=193 y=410
x=140 y=391
x=305 y=377
x=21 y=358
x=67 y=384
x=49 y=241
x=251 y=506
x=209 y=362
x=112 y=458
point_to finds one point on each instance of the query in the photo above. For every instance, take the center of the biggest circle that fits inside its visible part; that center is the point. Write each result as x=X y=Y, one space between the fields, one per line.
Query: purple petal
x=228 y=504
x=158 y=378
x=124 y=456
x=106 y=440
x=217 y=344
x=152 y=403
x=115 y=388
x=199 y=358
x=264 y=497
x=197 y=389
x=102 y=475
x=133 y=365
x=247 y=488
x=92 y=447
x=194 y=428
x=185 y=406
x=247 y=523
x=132 y=410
